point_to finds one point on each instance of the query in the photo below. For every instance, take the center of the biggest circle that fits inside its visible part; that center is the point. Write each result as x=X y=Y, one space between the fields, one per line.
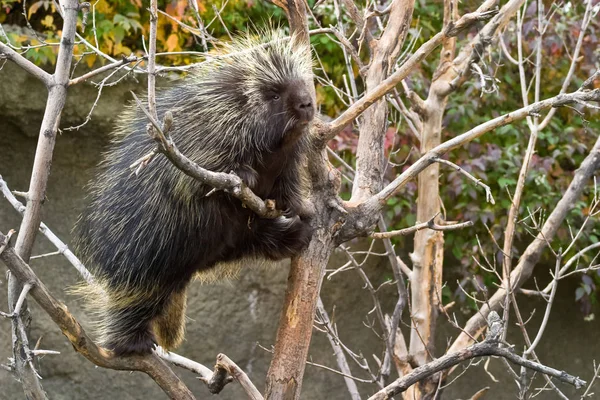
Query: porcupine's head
x=263 y=90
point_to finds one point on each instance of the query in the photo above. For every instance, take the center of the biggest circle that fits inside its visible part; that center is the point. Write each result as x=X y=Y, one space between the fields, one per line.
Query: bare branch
x=542 y=328
x=530 y=257
x=488 y=192
x=226 y=364
x=230 y=183
x=429 y=158
x=329 y=130
x=337 y=351
x=59 y=244
x=429 y=225
x=108 y=67
x=28 y=66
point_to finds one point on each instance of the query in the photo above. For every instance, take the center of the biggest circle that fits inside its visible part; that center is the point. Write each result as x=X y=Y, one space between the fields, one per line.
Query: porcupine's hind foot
x=140 y=342
x=281 y=237
x=128 y=330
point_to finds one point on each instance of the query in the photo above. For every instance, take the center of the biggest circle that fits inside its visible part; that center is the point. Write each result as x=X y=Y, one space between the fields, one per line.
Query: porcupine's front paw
x=281 y=238
x=141 y=343
x=296 y=236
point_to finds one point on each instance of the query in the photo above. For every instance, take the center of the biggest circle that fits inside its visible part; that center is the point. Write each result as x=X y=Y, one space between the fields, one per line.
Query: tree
x=377 y=64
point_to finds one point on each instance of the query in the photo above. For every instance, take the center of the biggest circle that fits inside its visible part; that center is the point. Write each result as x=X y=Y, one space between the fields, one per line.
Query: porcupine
x=145 y=237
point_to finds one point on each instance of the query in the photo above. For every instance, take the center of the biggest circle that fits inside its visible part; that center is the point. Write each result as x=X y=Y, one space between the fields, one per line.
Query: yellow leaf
x=120 y=49
x=34 y=7
x=160 y=34
x=172 y=42
x=109 y=45
x=90 y=60
x=103 y=7
x=48 y=21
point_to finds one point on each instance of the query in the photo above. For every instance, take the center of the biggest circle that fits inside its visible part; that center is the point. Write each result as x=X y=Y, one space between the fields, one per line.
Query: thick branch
x=486 y=348
x=437 y=152
x=370 y=160
x=57 y=95
x=363 y=216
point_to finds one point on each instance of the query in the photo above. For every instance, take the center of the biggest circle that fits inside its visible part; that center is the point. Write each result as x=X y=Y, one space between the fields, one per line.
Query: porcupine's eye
x=275 y=97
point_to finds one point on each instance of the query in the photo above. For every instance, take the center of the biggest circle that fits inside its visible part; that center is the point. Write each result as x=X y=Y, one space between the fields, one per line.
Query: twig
x=531 y=255
x=55 y=240
x=175 y=359
x=542 y=328
x=337 y=351
x=108 y=67
x=423 y=225
x=17 y=310
x=592 y=381
x=488 y=192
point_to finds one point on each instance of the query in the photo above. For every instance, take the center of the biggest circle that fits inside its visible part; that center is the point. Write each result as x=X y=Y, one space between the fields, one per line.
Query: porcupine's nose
x=304 y=107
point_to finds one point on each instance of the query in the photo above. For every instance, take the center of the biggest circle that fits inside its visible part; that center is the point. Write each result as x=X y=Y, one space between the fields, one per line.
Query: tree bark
x=57 y=95
x=428 y=254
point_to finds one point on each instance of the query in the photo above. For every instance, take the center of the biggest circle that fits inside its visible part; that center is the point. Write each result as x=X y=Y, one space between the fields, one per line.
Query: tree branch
x=229 y=183
x=430 y=157
x=328 y=130
x=25 y=64
x=530 y=257
x=363 y=216
x=423 y=225
x=108 y=67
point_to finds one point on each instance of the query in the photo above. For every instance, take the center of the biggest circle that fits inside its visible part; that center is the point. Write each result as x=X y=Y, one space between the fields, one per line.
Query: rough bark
x=284 y=378
x=428 y=254
x=370 y=158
